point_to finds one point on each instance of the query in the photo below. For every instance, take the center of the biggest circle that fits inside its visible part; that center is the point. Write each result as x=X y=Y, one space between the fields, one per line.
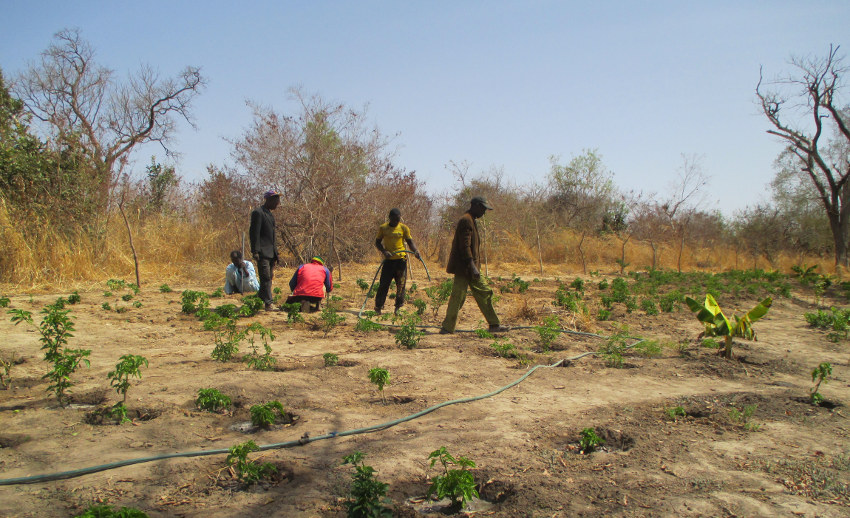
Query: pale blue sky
x=501 y=84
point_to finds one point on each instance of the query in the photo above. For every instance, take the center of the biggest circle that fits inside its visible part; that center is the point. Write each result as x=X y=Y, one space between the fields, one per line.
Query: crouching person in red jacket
x=309 y=284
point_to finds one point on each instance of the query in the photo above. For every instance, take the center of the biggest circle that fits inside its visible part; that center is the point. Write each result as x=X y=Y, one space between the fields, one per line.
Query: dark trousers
x=266 y=273
x=392 y=269
x=308 y=304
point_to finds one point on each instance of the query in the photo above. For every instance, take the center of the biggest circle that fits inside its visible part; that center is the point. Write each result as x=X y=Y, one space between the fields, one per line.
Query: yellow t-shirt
x=394 y=238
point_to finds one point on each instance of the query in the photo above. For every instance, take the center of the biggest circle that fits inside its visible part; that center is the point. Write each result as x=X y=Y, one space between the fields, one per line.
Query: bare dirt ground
x=792 y=460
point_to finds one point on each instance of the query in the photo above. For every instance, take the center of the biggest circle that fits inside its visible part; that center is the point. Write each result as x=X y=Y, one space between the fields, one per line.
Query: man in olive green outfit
x=464 y=263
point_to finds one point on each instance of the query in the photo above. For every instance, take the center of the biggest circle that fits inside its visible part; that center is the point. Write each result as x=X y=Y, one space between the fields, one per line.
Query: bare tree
x=684 y=199
x=811 y=96
x=82 y=105
x=581 y=193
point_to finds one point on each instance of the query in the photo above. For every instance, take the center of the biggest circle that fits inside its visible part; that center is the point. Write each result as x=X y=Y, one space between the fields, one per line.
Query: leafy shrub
x=56 y=328
x=648 y=306
x=743 y=416
x=251 y=305
x=254 y=359
x=4 y=302
x=330 y=318
x=330 y=359
x=365 y=325
x=266 y=414
x=363 y=285
x=367 y=496
x=504 y=349
x=217 y=294
x=603 y=284
x=456 y=484
x=227 y=339
x=614 y=346
x=439 y=294
x=293 y=312
x=212 y=400
x=549 y=331
x=577 y=284
x=420 y=306
x=604 y=314
x=589 y=441
x=226 y=310
x=517 y=284
x=74 y=297
x=106 y=306
x=165 y=288
x=192 y=301
x=247 y=471
x=484 y=333
x=408 y=334
x=127 y=297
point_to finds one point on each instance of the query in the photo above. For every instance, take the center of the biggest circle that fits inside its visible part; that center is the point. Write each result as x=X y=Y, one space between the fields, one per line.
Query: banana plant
x=716 y=323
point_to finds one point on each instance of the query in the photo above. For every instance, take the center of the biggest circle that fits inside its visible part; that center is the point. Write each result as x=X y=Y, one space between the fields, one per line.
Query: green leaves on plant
x=247 y=471
x=107 y=511
x=549 y=331
x=128 y=365
x=254 y=359
x=380 y=377
x=330 y=359
x=330 y=318
x=716 y=323
x=266 y=414
x=367 y=496
x=212 y=400
x=589 y=441
x=820 y=375
x=456 y=484
x=408 y=335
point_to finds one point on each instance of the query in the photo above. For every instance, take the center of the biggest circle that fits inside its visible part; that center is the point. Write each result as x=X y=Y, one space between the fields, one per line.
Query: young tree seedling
x=128 y=366
x=456 y=484
x=590 y=441
x=408 y=334
x=254 y=359
x=367 y=496
x=212 y=400
x=549 y=331
x=380 y=377
x=330 y=359
x=247 y=471
x=819 y=375
x=266 y=414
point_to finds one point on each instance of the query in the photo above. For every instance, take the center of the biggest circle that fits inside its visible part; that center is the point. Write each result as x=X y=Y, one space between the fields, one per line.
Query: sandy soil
x=523 y=440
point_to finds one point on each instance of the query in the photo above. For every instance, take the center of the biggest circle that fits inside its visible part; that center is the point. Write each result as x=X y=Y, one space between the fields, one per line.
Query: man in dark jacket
x=263 y=247
x=464 y=263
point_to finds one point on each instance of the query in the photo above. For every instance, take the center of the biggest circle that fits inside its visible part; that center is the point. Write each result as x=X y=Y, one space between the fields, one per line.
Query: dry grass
x=175 y=250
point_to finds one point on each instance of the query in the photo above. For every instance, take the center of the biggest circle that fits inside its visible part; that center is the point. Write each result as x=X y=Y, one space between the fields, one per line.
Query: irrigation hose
x=306 y=439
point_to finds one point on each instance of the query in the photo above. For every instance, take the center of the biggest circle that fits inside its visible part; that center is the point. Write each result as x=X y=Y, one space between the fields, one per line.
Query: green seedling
x=439 y=294
x=456 y=484
x=251 y=305
x=549 y=331
x=106 y=306
x=504 y=349
x=330 y=318
x=806 y=274
x=743 y=416
x=116 y=284
x=408 y=334
x=127 y=297
x=128 y=366
x=363 y=285
x=420 y=306
x=293 y=312
x=483 y=333
x=674 y=413
x=603 y=284
x=118 y=413
x=212 y=400
x=217 y=294
x=367 y=496
x=227 y=311
x=4 y=302
x=137 y=304
x=74 y=297
x=227 y=339
x=192 y=301
x=380 y=377
x=819 y=375
x=107 y=511
x=165 y=288
x=55 y=329
x=365 y=325
x=716 y=323
x=266 y=414
x=603 y=315
x=577 y=284
x=648 y=348
x=330 y=359
x=614 y=347
x=247 y=471
x=589 y=441
x=6 y=363
x=254 y=359
x=649 y=307
x=711 y=343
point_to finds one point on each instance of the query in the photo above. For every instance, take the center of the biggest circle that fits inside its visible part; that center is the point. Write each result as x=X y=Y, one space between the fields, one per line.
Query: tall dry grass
x=177 y=250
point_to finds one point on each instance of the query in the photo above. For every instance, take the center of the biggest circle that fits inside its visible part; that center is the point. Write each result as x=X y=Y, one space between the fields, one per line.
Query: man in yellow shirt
x=390 y=242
